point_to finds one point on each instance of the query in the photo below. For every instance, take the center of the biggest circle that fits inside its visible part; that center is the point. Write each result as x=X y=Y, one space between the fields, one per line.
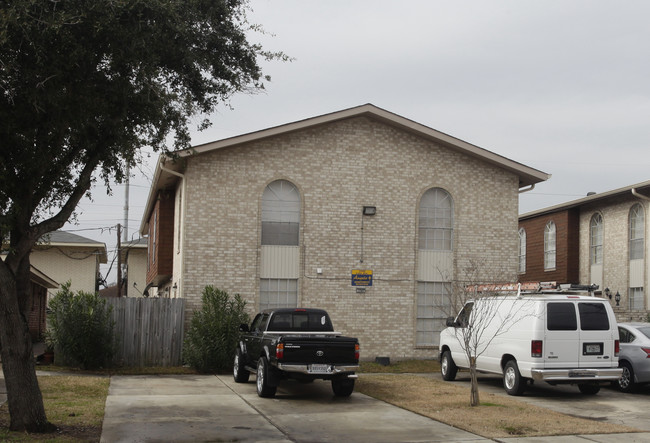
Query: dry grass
x=75 y=405
x=497 y=416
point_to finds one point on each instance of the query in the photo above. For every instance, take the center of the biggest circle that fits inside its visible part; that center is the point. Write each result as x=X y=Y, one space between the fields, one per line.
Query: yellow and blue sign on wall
x=361 y=277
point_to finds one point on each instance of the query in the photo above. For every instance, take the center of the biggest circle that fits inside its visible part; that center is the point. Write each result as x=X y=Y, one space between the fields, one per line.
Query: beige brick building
x=289 y=216
x=609 y=230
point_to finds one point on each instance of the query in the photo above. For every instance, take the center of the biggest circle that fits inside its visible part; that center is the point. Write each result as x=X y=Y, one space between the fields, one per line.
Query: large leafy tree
x=84 y=85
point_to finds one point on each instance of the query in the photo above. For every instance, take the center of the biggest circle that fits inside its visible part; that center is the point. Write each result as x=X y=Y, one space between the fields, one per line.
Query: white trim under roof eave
x=584 y=200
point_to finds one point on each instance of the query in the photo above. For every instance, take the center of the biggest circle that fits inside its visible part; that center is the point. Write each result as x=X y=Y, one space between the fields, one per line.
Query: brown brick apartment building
x=599 y=239
x=294 y=215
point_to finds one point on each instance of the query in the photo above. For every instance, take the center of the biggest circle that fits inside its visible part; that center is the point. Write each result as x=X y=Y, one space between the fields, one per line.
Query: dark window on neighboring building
x=550 y=246
x=596 y=239
x=637 y=228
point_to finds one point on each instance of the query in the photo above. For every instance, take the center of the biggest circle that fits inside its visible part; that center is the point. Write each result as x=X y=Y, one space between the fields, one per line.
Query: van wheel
x=263 y=388
x=448 y=368
x=342 y=387
x=589 y=388
x=513 y=382
x=239 y=373
x=626 y=382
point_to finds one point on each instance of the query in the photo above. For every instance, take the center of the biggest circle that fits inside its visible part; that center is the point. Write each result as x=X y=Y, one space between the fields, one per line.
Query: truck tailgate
x=314 y=349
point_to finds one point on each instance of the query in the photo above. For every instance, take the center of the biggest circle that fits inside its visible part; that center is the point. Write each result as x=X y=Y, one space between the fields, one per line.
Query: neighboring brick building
x=600 y=239
x=288 y=216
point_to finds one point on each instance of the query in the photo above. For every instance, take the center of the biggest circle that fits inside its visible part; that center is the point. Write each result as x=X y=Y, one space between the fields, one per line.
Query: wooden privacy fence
x=149 y=331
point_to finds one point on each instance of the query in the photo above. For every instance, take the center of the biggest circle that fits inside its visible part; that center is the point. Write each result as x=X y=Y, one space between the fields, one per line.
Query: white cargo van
x=558 y=337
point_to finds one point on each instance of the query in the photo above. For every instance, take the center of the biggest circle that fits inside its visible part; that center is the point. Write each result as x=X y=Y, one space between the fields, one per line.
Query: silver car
x=634 y=356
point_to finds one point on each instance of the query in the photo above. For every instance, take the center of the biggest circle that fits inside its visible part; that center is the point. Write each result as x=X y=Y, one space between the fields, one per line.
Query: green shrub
x=81 y=329
x=214 y=330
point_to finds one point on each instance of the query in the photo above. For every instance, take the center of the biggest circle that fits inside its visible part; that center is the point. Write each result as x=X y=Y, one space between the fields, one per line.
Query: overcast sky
x=561 y=86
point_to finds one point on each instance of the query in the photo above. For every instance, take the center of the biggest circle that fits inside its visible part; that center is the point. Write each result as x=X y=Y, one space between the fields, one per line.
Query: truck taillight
x=536 y=348
x=279 y=351
x=356 y=351
x=617 y=347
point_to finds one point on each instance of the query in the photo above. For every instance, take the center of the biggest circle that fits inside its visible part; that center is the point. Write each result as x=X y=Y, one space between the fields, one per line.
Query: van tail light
x=536 y=348
x=356 y=351
x=279 y=351
x=647 y=352
x=617 y=347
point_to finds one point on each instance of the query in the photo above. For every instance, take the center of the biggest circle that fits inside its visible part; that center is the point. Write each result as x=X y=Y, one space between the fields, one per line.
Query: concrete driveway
x=214 y=408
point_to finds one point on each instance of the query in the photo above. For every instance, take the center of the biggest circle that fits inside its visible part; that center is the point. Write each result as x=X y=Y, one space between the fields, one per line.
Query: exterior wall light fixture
x=369 y=210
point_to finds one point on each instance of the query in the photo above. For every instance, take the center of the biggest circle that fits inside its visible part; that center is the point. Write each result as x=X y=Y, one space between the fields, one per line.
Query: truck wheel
x=342 y=387
x=239 y=373
x=263 y=388
x=626 y=382
x=448 y=368
x=513 y=382
x=589 y=388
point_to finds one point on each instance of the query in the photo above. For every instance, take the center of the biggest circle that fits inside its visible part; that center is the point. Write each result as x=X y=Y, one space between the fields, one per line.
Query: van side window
x=561 y=317
x=463 y=316
x=593 y=317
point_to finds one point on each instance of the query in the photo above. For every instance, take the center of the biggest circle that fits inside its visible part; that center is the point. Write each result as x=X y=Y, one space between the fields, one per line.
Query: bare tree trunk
x=23 y=393
x=473 y=396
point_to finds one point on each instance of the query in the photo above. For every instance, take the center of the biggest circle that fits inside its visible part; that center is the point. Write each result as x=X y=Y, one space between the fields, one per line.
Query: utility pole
x=119 y=260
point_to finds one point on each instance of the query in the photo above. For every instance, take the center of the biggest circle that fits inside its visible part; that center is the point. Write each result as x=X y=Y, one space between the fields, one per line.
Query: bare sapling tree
x=478 y=325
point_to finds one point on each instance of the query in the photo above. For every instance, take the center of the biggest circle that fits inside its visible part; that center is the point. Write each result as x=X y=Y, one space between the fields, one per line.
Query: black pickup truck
x=295 y=343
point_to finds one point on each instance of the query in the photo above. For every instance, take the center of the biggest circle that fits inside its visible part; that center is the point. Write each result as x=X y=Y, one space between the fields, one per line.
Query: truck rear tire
x=513 y=382
x=342 y=387
x=448 y=368
x=263 y=388
x=239 y=373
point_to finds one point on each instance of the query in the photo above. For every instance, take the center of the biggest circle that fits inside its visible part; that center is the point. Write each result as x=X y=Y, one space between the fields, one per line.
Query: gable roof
x=640 y=190
x=167 y=169
x=70 y=240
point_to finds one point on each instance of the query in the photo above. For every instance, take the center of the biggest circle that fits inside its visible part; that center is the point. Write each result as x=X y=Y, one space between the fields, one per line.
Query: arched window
x=436 y=220
x=596 y=239
x=549 y=246
x=522 y=250
x=637 y=228
x=280 y=214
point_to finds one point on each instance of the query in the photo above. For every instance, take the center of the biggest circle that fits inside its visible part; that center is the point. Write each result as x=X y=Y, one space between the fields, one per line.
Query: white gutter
x=528 y=189
x=641 y=196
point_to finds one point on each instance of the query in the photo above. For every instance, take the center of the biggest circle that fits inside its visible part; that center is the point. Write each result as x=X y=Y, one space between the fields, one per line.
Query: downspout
x=641 y=196
x=181 y=223
x=528 y=189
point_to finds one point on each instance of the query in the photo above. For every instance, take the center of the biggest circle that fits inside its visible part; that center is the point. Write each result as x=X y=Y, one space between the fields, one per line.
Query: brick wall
x=615 y=213
x=338 y=168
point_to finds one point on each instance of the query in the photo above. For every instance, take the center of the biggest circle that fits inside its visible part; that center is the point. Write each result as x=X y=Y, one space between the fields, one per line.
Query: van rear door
x=561 y=344
x=596 y=339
